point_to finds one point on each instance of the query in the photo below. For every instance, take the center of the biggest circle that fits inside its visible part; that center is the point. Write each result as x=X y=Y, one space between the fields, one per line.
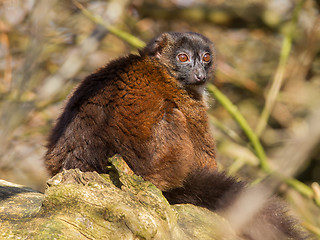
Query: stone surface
x=87 y=205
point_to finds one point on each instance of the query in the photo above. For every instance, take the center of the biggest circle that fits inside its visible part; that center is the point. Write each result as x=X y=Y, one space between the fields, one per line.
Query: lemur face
x=191 y=60
x=188 y=57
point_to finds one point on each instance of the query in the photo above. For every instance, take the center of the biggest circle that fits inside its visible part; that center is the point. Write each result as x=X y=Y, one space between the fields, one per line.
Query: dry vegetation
x=268 y=66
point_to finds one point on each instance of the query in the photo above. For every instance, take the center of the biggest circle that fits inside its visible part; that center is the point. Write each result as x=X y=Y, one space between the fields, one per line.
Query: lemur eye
x=206 y=57
x=182 y=57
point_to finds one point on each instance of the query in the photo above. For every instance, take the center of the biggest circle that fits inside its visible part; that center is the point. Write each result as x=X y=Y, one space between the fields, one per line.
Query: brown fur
x=134 y=108
x=150 y=109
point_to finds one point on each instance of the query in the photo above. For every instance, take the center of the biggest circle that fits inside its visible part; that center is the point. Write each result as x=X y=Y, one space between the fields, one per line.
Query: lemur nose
x=200 y=76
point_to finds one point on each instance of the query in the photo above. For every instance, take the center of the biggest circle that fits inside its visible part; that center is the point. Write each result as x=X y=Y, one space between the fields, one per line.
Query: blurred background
x=268 y=65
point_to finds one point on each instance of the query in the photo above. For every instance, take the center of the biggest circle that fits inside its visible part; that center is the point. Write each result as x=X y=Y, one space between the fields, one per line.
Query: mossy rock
x=87 y=205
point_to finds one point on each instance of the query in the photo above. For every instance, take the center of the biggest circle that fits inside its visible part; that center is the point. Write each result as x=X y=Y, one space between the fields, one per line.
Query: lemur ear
x=156 y=46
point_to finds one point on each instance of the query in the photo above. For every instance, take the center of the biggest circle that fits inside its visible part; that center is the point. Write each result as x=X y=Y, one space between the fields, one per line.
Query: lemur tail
x=266 y=220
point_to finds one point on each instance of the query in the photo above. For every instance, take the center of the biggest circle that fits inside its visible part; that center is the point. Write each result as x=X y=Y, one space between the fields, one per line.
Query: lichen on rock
x=88 y=205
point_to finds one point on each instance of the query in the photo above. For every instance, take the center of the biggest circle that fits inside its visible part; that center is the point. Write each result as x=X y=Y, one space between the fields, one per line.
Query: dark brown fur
x=133 y=107
x=216 y=191
x=152 y=113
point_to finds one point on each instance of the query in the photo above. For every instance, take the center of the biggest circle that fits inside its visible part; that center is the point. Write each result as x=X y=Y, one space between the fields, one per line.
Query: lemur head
x=188 y=57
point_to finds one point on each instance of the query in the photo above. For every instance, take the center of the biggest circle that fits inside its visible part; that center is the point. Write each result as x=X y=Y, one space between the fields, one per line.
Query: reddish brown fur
x=150 y=110
x=133 y=107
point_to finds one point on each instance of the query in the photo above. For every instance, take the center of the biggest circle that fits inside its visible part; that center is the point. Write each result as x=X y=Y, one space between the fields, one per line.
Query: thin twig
x=278 y=77
x=233 y=110
x=132 y=40
x=227 y=131
x=311 y=228
x=303 y=189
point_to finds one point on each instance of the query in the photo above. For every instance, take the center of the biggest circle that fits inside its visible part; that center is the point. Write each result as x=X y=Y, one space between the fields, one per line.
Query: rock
x=87 y=205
